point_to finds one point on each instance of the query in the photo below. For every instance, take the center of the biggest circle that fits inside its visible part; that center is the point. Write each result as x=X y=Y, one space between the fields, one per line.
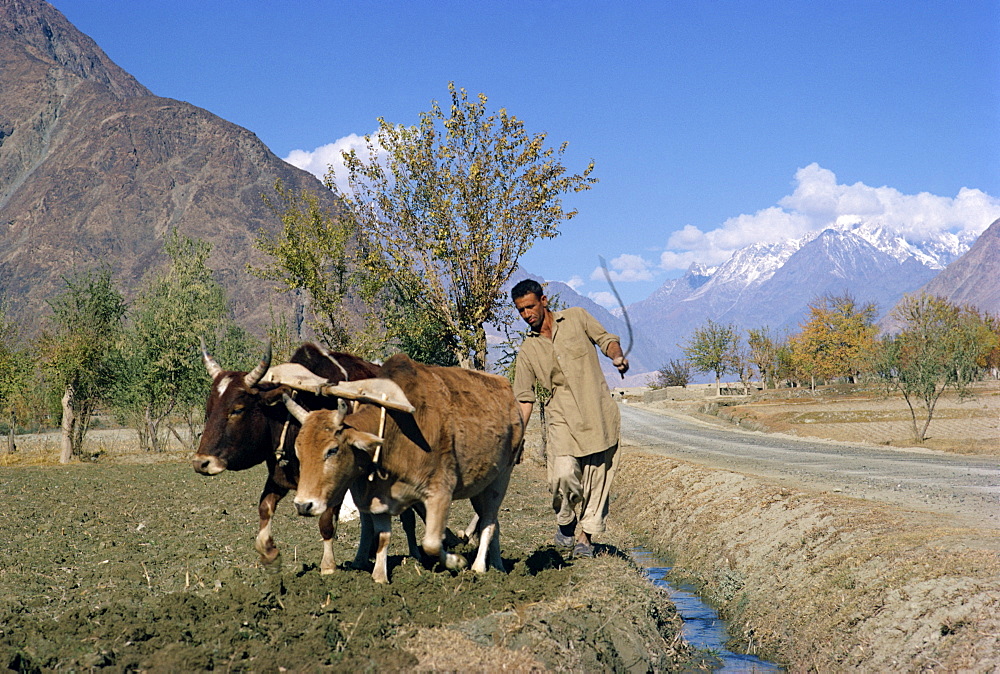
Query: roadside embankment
x=818 y=581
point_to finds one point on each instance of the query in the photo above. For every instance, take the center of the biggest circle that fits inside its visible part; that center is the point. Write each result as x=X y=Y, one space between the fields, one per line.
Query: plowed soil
x=118 y=566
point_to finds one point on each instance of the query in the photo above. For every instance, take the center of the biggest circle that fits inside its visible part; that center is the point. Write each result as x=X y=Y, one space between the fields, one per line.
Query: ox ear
x=366 y=442
x=381 y=392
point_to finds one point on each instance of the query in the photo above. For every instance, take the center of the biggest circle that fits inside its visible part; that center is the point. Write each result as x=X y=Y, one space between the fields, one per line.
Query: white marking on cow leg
x=470 y=531
x=381 y=525
x=452 y=561
x=328 y=530
x=264 y=543
x=485 y=542
x=328 y=565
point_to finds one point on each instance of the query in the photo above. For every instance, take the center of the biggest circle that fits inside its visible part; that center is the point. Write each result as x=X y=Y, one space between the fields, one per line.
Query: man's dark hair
x=526 y=287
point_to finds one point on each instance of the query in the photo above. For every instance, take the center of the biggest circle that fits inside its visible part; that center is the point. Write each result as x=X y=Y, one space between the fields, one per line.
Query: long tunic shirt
x=582 y=418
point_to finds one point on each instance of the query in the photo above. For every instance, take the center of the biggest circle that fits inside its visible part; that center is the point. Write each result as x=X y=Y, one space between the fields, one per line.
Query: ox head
x=331 y=450
x=236 y=434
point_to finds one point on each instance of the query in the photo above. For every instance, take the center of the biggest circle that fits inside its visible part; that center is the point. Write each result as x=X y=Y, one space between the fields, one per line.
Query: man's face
x=532 y=309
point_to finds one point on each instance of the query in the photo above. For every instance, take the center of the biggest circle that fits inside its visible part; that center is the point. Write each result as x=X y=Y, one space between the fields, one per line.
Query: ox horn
x=210 y=364
x=296 y=410
x=257 y=373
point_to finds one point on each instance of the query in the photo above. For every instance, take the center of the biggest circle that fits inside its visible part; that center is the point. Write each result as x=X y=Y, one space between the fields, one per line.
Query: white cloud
x=819 y=201
x=329 y=156
x=575 y=283
x=604 y=298
x=626 y=268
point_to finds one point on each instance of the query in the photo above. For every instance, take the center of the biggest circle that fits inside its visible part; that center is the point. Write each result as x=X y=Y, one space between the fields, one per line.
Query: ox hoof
x=326 y=572
x=454 y=562
x=271 y=562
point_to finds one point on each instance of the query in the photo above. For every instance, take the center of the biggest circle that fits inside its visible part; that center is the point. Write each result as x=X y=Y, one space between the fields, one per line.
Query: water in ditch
x=703 y=628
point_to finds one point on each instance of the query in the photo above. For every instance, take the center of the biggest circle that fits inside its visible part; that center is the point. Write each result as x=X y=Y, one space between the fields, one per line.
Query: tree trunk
x=68 y=424
x=11 y=445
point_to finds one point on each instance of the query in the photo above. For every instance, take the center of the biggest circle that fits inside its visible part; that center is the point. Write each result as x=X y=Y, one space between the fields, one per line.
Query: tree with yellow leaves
x=445 y=209
x=835 y=339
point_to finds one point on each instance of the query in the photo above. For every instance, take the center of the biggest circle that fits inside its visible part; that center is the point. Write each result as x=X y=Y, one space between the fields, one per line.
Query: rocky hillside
x=973 y=278
x=95 y=168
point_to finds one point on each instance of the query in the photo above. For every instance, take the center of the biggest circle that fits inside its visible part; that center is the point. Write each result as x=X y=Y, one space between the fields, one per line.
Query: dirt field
x=968 y=425
x=118 y=566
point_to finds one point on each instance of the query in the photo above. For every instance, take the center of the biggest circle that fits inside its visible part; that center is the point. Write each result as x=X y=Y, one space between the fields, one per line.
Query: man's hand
x=621 y=362
x=618 y=358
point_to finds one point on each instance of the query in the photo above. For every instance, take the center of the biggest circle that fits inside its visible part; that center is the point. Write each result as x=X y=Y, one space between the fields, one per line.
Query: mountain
x=973 y=278
x=772 y=284
x=95 y=168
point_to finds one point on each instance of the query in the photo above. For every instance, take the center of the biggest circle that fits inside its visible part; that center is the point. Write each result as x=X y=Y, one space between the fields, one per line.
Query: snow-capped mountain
x=936 y=251
x=773 y=284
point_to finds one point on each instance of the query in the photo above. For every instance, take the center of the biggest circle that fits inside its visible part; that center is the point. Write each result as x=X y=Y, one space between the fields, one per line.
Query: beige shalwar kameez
x=583 y=420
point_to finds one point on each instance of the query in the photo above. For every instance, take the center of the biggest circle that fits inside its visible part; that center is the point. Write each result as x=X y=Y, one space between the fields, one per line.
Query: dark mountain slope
x=974 y=278
x=94 y=168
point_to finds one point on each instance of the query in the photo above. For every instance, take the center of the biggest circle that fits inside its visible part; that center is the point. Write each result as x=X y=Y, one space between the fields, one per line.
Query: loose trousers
x=580 y=487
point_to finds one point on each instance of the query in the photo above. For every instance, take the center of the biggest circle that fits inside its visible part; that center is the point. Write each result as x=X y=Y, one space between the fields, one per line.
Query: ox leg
x=408 y=519
x=470 y=531
x=382 y=525
x=366 y=542
x=328 y=530
x=488 y=537
x=437 y=518
x=264 y=544
x=487 y=507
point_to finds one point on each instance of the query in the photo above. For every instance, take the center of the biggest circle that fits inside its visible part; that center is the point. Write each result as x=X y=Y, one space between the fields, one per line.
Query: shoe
x=564 y=541
x=583 y=550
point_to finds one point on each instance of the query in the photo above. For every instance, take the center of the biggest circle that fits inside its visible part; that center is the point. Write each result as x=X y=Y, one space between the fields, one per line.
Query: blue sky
x=712 y=124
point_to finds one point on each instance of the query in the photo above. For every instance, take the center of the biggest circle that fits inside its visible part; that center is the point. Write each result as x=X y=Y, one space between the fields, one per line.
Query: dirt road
x=967 y=487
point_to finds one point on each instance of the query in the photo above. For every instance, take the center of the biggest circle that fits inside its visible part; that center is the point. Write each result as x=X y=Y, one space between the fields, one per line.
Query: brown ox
x=244 y=428
x=461 y=440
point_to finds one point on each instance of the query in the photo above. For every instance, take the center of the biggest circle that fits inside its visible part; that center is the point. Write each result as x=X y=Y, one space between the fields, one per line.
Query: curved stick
x=614 y=291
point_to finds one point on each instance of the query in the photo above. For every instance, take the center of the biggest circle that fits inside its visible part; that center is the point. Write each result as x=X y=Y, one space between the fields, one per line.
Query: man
x=582 y=419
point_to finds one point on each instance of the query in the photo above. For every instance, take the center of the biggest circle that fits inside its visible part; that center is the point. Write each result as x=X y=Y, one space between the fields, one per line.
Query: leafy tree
x=784 y=360
x=16 y=371
x=351 y=308
x=742 y=365
x=77 y=350
x=941 y=345
x=161 y=373
x=713 y=348
x=311 y=253
x=763 y=353
x=676 y=372
x=446 y=208
x=836 y=338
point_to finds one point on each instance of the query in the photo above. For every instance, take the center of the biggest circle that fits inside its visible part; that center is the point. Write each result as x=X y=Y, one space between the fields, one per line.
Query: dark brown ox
x=461 y=441
x=244 y=428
